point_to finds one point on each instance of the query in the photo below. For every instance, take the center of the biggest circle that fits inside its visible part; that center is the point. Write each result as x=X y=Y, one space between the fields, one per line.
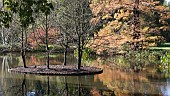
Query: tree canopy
x=110 y=20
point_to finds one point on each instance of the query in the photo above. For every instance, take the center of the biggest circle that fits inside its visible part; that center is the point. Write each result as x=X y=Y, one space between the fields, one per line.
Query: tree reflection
x=23 y=86
x=5 y=68
x=31 y=85
x=66 y=86
x=79 y=85
x=48 y=85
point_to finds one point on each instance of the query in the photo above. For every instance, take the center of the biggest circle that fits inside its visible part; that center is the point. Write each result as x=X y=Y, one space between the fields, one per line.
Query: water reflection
x=112 y=82
x=13 y=84
x=51 y=86
x=129 y=83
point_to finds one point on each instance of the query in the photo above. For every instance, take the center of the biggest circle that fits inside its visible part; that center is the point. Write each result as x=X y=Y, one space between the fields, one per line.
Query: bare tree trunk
x=48 y=83
x=23 y=50
x=46 y=39
x=79 y=53
x=46 y=31
x=65 y=50
x=25 y=39
x=79 y=35
x=65 y=55
x=3 y=36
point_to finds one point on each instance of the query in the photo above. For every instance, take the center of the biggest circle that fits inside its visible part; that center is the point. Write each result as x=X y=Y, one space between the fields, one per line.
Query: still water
x=112 y=82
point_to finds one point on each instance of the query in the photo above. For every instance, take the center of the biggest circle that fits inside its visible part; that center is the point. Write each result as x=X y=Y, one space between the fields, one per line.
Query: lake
x=112 y=82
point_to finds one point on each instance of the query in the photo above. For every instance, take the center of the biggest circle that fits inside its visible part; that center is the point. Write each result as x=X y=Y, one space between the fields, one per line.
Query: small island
x=57 y=70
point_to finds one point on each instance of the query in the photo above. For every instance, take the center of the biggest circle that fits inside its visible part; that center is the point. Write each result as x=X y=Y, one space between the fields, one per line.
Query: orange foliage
x=117 y=28
x=95 y=92
x=38 y=37
x=40 y=61
x=34 y=61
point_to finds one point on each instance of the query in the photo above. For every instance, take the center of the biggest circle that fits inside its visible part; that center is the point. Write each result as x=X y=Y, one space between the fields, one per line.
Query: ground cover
x=57 y=70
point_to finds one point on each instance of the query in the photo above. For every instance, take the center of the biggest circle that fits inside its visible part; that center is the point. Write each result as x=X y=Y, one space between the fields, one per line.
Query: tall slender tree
x=83 y=28
x=45 y=7
x=65 y=25
x=24 y=10
x=80 y=29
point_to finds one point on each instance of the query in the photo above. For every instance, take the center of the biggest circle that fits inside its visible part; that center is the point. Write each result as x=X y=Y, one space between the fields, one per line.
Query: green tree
x=23 y=8
x=83 y=28
x=45 y=7
x=65 y=24
x=77 y=15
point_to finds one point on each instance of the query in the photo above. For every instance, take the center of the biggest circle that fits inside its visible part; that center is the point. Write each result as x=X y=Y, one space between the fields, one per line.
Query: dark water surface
x=112 y=82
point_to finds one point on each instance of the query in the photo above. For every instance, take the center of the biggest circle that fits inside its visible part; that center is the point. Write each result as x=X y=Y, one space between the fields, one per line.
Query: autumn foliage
x=37 y=37
x=115 y=26
x=115 y=18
